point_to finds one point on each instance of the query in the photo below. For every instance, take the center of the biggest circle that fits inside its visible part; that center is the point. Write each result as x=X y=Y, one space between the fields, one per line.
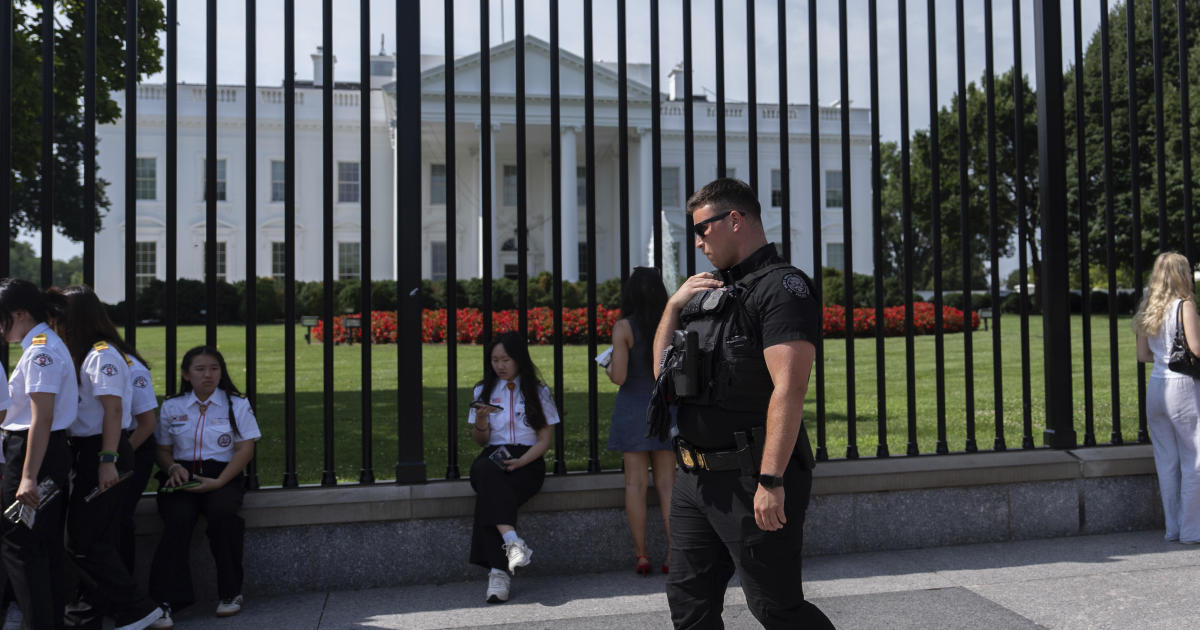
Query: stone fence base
x=386 y=535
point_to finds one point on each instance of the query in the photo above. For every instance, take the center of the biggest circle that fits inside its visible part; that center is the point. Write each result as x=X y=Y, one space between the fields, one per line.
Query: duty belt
x=744 y=458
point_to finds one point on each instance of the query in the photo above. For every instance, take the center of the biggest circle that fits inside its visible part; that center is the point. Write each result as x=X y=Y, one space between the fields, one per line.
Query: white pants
x=1173 y=411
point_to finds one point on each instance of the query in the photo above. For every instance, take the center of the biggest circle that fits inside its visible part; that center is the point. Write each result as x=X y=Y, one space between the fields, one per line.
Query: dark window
x=833 y=189
x=349 y=261
x=348 y=182
x=437 y=184
x=437 y=260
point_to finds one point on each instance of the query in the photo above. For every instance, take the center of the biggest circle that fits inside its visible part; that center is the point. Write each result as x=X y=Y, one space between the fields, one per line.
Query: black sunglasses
x=701 y=228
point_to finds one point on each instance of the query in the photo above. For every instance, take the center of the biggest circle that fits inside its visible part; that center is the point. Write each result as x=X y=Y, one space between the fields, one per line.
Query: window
x=581 y=186
x=220 y=261
x=220 y=179
x=144 y=262
x=512 y=271
x=348 y=182
x=278 y=180
x=437 y=260
x=437 y=184
x=349 y=263
x=510 y=185
x=776 y=188
x=835 y=256
x=381 y=68
x=584 y=271
x=670 y=187
x=146 y=187
x=278 y=260
x=833 y=189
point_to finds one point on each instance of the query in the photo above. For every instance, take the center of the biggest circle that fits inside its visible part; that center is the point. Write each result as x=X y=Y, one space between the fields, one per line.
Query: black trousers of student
x=498 y=494
x=93 y=532
x=170 y=571
x=34 y=558
x=143 y=465
x=713 y=535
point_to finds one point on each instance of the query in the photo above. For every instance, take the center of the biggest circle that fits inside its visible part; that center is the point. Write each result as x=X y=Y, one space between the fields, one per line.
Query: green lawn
x=348 y=417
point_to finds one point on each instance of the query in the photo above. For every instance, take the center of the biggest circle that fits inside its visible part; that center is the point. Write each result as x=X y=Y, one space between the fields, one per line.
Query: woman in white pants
x=1172 y=398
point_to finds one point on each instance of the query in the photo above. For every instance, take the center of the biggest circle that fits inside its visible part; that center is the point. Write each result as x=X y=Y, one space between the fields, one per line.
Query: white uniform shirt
x=509 y=426
x=45 y=367
x=104 y=372
x=143 y=390
x=197 y=433
x=5 y=402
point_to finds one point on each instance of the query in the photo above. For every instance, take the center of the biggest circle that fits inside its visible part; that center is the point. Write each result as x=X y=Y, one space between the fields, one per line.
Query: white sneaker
x=497 y=590
x=519 y=554
x=147 y=621
x=164 y=622
x=229 y=607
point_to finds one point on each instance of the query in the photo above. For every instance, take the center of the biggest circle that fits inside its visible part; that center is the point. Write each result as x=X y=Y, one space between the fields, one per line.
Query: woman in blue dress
x=643 y=299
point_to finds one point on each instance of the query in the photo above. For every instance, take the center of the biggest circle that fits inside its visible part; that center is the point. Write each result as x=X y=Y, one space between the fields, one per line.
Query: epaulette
x=100 y=345
x=39 y=340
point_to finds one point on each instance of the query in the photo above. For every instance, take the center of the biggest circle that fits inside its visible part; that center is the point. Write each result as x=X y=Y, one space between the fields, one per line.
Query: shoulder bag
x=1182 y=360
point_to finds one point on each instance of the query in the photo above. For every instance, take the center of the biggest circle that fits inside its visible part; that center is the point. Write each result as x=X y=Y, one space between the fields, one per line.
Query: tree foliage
x=69 y=130
x=950 y=188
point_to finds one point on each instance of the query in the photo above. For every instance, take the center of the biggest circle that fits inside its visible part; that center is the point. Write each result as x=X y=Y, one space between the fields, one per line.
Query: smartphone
x=499 y=455
x=97 y=491
x=483 y=403
x=183 y=486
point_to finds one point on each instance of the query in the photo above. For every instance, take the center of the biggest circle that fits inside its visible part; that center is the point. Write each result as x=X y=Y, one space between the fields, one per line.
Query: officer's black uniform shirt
x=783 y=304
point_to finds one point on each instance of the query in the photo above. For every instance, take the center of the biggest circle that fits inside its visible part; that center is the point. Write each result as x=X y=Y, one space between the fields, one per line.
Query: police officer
x=738 y=347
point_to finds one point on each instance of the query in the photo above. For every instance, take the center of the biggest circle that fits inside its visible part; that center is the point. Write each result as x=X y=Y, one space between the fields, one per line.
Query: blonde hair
x=1171 y=280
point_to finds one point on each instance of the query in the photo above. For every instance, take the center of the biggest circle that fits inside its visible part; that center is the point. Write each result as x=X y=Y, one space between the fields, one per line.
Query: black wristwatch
x=770 y=482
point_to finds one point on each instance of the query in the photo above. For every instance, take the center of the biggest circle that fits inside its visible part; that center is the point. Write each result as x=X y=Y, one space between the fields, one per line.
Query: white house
x=467 y=173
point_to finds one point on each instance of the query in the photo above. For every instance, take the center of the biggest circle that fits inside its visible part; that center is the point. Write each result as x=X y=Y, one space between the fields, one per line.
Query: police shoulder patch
x=108 y=369
x=100 y=345
x=42 y=359
x=796 y=285
x=39 y=340
x=140 y=382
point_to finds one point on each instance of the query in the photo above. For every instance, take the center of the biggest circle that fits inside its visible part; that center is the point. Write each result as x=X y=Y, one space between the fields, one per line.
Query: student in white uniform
x=141 y=440
x=44 y=401
x=100 y=453
x=206 y=437
x=513 y=409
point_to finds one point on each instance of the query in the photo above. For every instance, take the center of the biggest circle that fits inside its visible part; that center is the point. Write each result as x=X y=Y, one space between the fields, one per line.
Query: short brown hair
x=725 y=194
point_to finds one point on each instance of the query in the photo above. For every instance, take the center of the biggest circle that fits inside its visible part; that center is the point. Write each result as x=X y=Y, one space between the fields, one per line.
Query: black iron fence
x=1093 y=224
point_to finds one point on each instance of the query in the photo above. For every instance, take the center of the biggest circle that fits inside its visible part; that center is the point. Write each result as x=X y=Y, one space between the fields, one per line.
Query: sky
x=231 y=33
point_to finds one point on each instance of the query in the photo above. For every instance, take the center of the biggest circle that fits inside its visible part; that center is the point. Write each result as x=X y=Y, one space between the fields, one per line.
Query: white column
x=478 y=219
x=497 y=191
x=547 y=212
x=645 y=218
x=570 y=211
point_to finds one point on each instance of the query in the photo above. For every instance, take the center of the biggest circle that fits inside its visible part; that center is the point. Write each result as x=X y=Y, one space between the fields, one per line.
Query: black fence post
x=1052 y=176
x=410 y=465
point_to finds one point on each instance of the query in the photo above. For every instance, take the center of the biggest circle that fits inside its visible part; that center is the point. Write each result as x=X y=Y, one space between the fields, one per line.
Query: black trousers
x=713 y=535
x=34 y=558
x=93 y=533
x=498 y=494
x=143 y=465
x=170 y=571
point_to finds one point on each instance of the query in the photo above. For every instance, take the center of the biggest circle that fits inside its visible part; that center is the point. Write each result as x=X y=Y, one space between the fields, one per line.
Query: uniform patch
x=43 y=360
x=100 y=345
x=225 y=440
x=39 y=340
x=141 y=382
x=108 y=369
x=796 y=285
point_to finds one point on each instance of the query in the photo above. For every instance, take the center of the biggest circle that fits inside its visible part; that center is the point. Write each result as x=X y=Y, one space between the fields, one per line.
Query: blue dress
x=628 y=429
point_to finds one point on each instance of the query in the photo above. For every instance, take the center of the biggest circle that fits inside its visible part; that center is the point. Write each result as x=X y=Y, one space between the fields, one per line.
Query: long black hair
x=23 y=295
x=531 y=379
x=643 y=299
x=225 y=383
x=85 y=322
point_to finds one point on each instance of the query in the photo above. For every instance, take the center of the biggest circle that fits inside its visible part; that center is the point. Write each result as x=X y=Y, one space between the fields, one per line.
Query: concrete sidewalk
x=1132 y=580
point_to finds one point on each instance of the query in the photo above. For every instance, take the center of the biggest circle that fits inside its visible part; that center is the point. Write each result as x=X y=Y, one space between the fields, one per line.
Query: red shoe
x=643 y=566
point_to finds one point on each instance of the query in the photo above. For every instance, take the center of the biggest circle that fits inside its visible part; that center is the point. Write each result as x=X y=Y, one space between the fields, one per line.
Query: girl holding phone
x=206 y=436
x=512 y=413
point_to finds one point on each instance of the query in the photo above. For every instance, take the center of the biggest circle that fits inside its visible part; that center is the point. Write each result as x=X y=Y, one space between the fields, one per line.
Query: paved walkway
x=1126 y=581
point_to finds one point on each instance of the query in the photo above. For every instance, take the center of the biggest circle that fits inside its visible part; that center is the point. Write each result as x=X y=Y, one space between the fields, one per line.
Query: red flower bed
x=893 y=320
x=470 y=325
x=575 y=324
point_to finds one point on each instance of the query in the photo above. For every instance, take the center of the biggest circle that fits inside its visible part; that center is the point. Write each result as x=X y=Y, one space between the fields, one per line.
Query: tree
x=1123 y=175
x=69 y=132
x=24 y=264
x=1007 y=183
